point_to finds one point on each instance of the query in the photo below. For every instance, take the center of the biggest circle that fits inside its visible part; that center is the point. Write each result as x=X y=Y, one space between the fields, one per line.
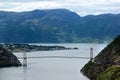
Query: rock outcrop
x=7 y=59
x=106 y=65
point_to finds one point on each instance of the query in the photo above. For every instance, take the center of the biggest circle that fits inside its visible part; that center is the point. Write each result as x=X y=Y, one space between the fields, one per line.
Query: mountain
x=106 y=65
x=57 y=25
x=7 y=59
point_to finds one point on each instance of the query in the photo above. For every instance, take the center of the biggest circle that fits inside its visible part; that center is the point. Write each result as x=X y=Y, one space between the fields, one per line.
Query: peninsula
x=29 y=47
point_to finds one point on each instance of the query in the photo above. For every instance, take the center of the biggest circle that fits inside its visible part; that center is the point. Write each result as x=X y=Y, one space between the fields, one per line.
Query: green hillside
x=57 y=26
x=106 y=65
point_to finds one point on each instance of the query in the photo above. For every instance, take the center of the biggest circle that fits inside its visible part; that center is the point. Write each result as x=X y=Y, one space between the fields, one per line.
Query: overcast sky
x=82 y=7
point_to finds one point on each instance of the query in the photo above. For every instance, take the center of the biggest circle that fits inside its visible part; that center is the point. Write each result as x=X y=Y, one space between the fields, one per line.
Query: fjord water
x=52 y=68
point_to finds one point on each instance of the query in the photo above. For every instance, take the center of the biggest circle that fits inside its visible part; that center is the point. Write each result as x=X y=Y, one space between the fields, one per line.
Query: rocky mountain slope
x=7 y=59
x=106 y=65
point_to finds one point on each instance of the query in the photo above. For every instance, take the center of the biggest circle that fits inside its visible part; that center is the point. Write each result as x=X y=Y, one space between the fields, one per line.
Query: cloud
x=82 y=7
x=22 y=0
x=26 y=6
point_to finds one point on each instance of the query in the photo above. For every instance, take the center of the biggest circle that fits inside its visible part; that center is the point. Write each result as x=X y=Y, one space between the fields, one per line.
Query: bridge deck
x=56 y=57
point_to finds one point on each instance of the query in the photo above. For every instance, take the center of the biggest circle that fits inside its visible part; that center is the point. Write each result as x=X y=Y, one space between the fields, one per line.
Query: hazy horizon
x=61 y=8
x=83 y=8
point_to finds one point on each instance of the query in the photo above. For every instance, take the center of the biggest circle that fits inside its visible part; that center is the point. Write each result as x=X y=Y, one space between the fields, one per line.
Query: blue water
x=52 y=68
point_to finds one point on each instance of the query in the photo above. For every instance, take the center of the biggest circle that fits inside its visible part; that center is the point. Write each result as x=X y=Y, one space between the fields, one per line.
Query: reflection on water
x=52 y=68
x=25 y=72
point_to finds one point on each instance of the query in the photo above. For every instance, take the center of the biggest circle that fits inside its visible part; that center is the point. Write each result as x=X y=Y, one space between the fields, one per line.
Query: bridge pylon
x=24 y=58
x=91 y=54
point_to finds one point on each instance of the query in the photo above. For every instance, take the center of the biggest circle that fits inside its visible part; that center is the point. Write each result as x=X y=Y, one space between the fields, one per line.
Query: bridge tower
x=24 y=58
x=91 y=54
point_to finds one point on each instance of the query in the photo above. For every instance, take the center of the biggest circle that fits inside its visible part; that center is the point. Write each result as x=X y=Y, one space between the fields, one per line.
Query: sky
x=81 y=7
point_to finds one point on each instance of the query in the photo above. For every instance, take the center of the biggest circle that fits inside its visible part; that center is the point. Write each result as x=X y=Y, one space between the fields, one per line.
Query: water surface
x=52 y=68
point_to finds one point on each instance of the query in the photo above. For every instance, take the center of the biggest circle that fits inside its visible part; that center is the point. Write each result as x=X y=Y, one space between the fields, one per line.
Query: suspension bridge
x=25 y=57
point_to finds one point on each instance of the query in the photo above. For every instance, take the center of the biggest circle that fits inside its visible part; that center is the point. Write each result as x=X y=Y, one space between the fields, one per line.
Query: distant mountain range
x=57 y=26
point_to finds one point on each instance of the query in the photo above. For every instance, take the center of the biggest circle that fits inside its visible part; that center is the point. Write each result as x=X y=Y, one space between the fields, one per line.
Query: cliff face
x=107 y=63
x=111 y=54
x=7 y=59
